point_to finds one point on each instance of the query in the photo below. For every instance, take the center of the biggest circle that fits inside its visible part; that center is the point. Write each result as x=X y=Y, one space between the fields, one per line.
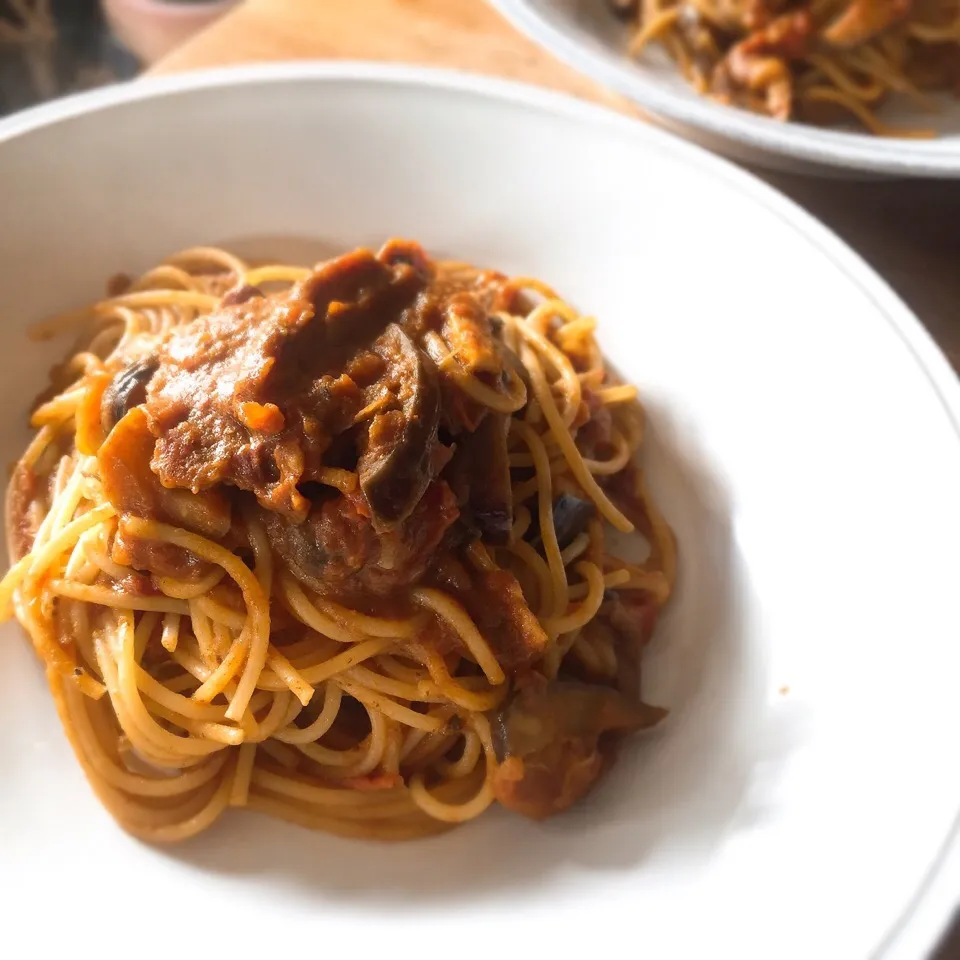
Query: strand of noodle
x=195 y=668
x=411 y=741
x=187 y=590
x=289 y=674
x=517 y=285
x=196 y=255
x=869 y=92
x=663 y=537
x=556 y=652
x=262 y=555
x=872 y=62
x=171 y=632
x=557 y=358
x=369 y=626
x=430 y=750
x=226 y=671
x=240 y=786
x=307 y=613
x=450 y=611
x=165 y=748
x=576 y=331
x=449 y=812
x=351 y=760
x=56 y=411
x=221 y=613
x=187 y=707
x=391 y=666
x=568 y=376
x=332 y=696
x=102 y=562
x=521 y=523
x=129 y=690
x=548 y=533
x=144 y=298
x=388 y=685
x=650 y=581
x=49 y=553
x=655 y=29
x=257 y=605
x=390 y=761
x=458 y=813
x=350 y=657
x=441 y=684
x=588 y=609
x=142 y=634
x=321 y=796
x=276 y=273
x=165 y=274
x=108 y=597
x=67 y=496
x=202 y=729
x=401 y=829
x=275 y=716
x=611 y=581
x=569 y=448
x=280 y=753
x=198 y=822
x=623 y=393
x=172 y=822
x=370 y=758
x=389 y=708
x=865 y=116
x=542 y=318
x=472 y=750
x=616 y=463
x=133 y=783
x=576 y=548
x=512 y=401
x=203 y=632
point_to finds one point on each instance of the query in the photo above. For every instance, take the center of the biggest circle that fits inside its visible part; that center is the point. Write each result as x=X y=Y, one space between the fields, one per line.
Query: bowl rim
x=814 y=145
x=917 y=929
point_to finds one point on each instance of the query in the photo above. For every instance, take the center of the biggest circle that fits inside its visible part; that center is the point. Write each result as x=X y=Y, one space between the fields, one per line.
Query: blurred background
x=50 y=48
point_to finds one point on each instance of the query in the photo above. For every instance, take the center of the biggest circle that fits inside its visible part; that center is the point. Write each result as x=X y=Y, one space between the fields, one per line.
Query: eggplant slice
x=480 y=477
x=396 y=463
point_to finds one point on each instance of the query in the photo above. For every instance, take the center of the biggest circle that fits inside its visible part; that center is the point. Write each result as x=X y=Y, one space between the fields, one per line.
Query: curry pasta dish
x=818 y=61
x=331 y=543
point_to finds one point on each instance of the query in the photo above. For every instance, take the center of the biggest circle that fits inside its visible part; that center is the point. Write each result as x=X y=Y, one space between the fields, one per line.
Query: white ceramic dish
x=586 y=36
x=802 y=800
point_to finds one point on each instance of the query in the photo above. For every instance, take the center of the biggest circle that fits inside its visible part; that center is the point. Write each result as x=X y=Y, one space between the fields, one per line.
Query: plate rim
x=923 y=920
x=791 y=141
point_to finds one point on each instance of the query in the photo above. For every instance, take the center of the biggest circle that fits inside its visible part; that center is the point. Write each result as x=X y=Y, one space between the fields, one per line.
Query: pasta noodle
x=819 y=61
x=199 y=653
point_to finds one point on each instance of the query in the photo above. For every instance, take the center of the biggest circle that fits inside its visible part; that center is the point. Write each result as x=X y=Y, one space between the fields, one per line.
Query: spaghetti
x=818 y=61
x=331 y=544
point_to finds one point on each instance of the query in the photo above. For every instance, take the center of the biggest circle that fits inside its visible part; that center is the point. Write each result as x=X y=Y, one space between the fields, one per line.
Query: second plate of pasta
x=821 y=88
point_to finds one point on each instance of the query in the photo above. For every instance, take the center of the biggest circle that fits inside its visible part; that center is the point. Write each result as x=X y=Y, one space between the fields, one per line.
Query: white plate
x=804 y=444
x=586 y=36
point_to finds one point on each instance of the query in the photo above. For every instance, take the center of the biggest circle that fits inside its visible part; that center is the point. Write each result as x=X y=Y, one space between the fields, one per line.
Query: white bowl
x=586 y=36
x=802 y=799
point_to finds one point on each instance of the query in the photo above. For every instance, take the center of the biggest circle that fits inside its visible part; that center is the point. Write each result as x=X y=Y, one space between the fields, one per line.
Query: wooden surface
x=908 y=231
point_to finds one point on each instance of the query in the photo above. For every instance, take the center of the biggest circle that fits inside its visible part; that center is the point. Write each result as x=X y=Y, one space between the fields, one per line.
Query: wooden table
x=908 y=231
